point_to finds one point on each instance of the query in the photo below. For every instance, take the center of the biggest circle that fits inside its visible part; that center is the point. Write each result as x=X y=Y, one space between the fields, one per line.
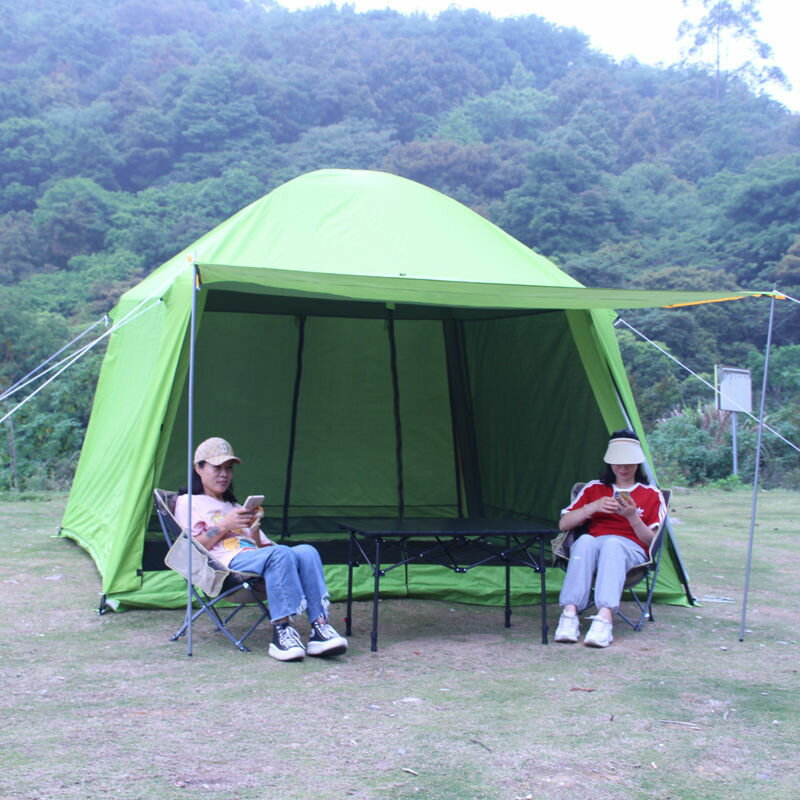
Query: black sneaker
x=324 y=641
x=286 y=644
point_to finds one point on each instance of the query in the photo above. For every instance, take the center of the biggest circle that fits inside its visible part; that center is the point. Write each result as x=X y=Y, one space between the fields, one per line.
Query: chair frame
x=647 y=571
x=239 y=588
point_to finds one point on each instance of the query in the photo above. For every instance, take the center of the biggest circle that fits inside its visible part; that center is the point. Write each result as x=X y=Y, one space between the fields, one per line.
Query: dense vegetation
x=130 y=127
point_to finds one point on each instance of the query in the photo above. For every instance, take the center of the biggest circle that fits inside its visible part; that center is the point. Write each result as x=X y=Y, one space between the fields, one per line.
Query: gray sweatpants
x=607 y=557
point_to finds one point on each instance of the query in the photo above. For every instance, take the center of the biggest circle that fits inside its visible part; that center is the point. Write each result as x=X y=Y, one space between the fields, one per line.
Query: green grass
x=452 y=707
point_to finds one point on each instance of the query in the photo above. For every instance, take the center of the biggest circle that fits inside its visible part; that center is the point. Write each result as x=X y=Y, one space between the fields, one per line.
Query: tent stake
x=755 y=474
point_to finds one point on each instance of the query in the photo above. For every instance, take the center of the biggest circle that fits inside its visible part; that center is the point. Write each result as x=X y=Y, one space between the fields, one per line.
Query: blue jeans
x=607 y=559
x=293 y=577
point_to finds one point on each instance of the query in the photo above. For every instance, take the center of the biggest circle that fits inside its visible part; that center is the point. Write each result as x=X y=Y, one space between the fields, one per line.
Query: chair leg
x=643 y=609
x=220 y=623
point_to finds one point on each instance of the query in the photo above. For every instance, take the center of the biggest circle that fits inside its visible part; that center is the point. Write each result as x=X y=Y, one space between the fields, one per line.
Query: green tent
x=370 y=347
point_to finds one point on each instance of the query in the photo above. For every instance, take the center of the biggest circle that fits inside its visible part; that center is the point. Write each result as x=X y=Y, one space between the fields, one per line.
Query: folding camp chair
x=212 y=583
x=646 y=572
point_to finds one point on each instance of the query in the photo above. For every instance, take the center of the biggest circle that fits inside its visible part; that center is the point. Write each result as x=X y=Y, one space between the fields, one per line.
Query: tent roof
x=375 y=237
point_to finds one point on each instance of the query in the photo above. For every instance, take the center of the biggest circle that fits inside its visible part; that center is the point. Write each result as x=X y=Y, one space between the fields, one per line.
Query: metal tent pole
x=189 y=454
x=755 y=474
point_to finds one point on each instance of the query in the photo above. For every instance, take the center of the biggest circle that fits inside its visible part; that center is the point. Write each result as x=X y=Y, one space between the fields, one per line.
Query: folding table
x=457 y=544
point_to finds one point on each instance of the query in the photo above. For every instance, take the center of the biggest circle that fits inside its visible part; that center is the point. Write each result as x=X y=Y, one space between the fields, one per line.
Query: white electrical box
x=735 y=389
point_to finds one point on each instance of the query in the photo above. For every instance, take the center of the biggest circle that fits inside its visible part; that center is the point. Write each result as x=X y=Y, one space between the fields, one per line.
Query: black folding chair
x=213 y=585
x=646 y=572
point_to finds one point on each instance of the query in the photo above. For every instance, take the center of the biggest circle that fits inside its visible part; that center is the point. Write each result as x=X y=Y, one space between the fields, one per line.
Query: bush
x=48 y=430
x=680 y=450
x=727 y=484
x=694 y=446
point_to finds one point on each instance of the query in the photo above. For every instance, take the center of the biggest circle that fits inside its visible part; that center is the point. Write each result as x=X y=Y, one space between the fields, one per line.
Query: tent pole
x=463 y=418
x=755 y=474
x=398 y=427
x=298 y=379
x=189 y=460
x=452 y=383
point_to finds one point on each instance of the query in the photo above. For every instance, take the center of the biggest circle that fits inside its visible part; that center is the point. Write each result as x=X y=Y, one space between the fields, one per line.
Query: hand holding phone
x=253 y=501
x=623 y=497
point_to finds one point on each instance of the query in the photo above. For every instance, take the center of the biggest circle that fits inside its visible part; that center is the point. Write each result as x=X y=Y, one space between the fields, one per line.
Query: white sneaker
x=286 y=644
x=599 y=635
x=568 y=629
x=324 y=641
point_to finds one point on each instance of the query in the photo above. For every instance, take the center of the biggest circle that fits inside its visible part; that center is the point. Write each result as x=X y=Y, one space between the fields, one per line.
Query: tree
x=724 y=19
x=20 y=249
x=25 y=161
x=350 y=144
x=73 y=217
x=653 y=377
x=444 y=165
x=414 y=82
x=515 y=111
x=564 y=205
x=146 y=146
x=26 y=338
x=544 y=50
x=758 y=220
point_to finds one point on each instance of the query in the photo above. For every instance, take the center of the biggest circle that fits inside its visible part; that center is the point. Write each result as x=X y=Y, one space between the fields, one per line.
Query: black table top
x=446 y=526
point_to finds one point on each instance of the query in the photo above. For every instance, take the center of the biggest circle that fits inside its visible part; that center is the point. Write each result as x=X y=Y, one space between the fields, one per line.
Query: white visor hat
x=624 y=451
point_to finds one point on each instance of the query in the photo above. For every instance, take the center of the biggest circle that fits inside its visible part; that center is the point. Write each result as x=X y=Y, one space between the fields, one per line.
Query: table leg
x=543 y=588
x=376 y=569
x=349 y=618
x=508 y=585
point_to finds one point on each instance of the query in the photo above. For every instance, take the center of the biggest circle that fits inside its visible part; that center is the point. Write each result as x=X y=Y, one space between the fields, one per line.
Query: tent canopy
x=370 y=347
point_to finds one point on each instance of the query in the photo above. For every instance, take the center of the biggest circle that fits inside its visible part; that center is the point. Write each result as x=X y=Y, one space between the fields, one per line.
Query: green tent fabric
x=356 y=331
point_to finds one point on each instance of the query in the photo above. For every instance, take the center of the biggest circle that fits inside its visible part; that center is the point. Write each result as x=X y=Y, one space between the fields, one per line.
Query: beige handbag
x=560 y=546
x=207 y=573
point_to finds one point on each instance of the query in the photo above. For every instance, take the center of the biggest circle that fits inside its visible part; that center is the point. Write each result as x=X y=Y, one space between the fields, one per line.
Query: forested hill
x=131 y=127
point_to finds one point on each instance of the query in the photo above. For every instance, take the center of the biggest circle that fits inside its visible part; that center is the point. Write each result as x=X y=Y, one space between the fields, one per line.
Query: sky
x=644 y=29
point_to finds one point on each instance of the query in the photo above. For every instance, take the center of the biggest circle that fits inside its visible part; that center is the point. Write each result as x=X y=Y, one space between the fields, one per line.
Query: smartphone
x=253 y=501
x=623 y=496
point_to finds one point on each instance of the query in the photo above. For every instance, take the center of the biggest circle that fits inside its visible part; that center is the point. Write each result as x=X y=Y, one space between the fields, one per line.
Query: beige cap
x=215 y=451
x=624 y=451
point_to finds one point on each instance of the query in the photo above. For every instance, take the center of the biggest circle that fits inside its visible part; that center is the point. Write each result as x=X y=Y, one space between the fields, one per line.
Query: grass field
x=452 y=707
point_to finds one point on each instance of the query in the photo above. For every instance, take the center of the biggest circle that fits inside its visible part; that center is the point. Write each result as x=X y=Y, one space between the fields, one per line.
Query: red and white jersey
x=650 y=506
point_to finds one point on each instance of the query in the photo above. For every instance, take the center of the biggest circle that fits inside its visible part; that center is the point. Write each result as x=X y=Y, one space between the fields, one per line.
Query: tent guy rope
x=705 y=382
x=71 y=359
x=35 y=372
